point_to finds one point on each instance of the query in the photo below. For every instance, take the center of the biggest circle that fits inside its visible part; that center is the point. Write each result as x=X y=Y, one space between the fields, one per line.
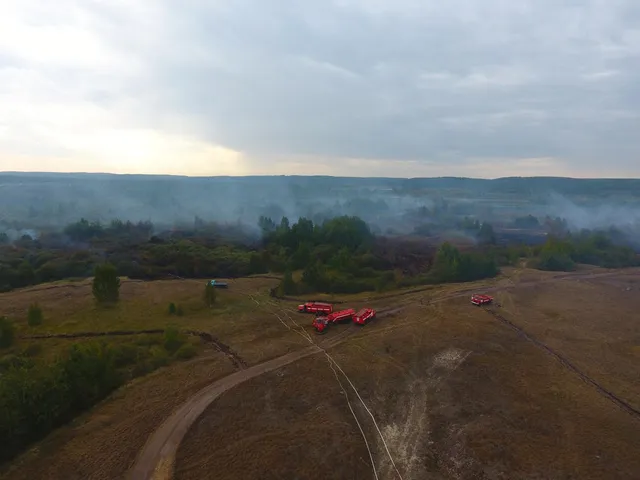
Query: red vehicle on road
x=364 y=316
x=479 y=300
x=322 y=323
x=315 y=307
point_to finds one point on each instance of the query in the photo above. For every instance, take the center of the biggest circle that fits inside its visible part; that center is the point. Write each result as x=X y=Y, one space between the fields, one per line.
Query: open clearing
x=454 y=392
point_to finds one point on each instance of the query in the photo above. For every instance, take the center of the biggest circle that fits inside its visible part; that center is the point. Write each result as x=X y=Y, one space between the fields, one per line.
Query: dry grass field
x=453 y=392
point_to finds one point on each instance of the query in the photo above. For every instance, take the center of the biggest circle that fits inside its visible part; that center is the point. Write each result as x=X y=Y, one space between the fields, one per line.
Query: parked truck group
x=327 y=317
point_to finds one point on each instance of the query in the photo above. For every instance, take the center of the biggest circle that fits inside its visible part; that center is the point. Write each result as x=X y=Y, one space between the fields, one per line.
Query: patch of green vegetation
x=35 y=317
x=173 y=339
x=7 y=332
x=176 y=310
x=592 y=248
x=106 y=284
x=38 y=396
x=450 y=265
x=186 y=351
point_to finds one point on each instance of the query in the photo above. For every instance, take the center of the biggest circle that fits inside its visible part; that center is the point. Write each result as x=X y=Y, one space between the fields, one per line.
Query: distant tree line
x=592 y=248
x=74 y=253
x=84 y=230
x=339 y=255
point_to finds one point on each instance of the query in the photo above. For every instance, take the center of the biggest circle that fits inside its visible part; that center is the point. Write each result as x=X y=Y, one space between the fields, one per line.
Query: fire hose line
x=304 y=334
x=332 y=362
x=346 y=396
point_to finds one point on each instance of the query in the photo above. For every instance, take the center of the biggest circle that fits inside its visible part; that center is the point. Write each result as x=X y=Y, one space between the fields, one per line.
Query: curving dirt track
x=156 y=460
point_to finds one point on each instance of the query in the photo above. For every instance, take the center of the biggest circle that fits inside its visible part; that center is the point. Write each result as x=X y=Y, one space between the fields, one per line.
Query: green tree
x=284 y=224
x=7 y=332
x=312 y=275
x=172 y=339
x=486 y=235
x=266 y=225
x=106 y=284
x=287 y=285
x=34 y=315
x=555 y=261
x=302 y=255
x=452 y=266
x=257 y=264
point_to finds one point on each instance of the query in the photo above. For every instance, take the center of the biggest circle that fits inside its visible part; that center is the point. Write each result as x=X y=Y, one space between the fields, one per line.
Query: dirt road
x=156 y=459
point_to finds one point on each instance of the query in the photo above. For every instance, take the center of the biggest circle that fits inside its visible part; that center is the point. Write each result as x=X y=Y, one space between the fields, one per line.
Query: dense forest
x=339 y=255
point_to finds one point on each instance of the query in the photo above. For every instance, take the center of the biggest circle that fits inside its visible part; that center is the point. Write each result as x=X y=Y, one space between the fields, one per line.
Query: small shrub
x=106 y=284
x=148 y=340
x=125 y=355
x=287 y=285
x=32 y=350
x=159 y=357
x=142 y=368
x=7 y=332
x=15 y=361
x=172 y=308
x=34 y=315
x=186 y=351
x=172 y=339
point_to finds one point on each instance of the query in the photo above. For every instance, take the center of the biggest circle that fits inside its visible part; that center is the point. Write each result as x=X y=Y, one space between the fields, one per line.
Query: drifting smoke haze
x=428 y=207
x=13 y=234
x=594 y=217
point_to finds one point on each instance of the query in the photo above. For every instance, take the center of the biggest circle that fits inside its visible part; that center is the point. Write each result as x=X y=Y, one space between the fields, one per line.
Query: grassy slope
x=508 y=407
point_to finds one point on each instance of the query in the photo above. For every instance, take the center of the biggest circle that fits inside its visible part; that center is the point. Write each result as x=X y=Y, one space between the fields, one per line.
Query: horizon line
x=18 y=172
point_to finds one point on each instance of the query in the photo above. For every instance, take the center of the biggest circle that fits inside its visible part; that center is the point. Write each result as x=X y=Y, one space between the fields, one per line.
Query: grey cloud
x=403 y=79
x=509 y=79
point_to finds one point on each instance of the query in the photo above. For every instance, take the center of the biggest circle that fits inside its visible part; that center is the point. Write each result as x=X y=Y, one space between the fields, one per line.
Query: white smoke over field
x=595 y=216
x=431 y=208
x=13 y=234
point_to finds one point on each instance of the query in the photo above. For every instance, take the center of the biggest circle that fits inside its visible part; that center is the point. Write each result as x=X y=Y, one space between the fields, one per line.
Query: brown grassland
x=455 y=393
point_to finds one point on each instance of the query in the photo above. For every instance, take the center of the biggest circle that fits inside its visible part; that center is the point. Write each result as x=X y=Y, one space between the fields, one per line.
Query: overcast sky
x=346 y=87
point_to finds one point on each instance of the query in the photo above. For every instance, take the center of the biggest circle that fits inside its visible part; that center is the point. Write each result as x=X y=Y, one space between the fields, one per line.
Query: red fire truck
x=364 y=316
x=315 y=307
x=321 y=323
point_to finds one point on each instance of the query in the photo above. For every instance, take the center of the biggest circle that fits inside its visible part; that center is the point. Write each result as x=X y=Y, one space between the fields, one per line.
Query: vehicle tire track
x=206 y=337
x=567 y=363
